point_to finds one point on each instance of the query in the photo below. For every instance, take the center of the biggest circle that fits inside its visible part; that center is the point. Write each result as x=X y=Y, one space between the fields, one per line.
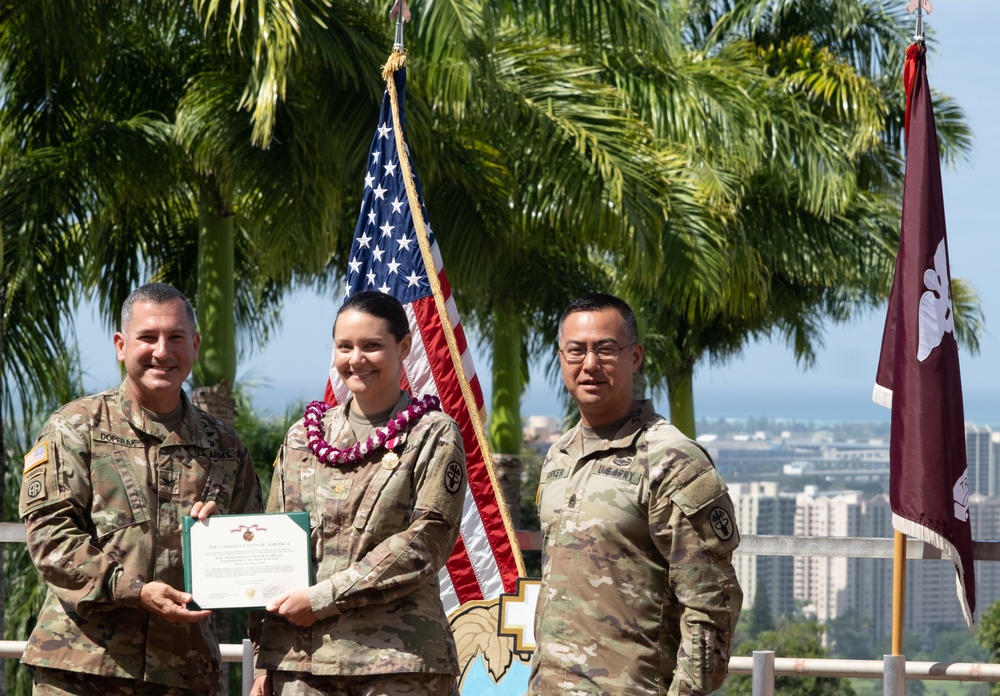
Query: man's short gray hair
x=155 y=293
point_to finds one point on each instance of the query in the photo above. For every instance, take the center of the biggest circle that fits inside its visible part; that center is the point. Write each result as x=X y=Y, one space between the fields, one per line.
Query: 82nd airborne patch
x=35 y=488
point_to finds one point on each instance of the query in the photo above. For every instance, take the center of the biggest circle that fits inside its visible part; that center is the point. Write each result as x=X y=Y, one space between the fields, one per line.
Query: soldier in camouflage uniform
x=383 y=524
x=103 y=494
x=639 y=594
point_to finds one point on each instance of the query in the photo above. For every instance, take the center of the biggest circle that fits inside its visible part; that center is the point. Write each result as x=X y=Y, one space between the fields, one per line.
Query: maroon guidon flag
x=918 y=374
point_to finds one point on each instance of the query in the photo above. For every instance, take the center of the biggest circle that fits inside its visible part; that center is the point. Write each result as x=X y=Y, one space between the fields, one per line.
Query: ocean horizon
x=806 y=404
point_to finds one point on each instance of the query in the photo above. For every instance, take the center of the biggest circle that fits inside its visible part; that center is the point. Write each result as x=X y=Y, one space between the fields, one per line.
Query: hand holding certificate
x=245 y=561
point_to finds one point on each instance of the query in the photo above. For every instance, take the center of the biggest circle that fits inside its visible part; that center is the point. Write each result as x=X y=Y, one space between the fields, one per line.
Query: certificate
x=245 y=561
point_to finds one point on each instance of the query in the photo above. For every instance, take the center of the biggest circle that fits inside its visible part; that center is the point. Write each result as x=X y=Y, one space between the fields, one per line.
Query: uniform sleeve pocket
x=705 y=502
x=716 y=525
x=38 y=489
x=702 y=665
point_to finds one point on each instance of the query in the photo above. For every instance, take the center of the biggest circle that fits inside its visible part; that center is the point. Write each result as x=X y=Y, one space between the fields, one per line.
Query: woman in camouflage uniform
x=382 y=478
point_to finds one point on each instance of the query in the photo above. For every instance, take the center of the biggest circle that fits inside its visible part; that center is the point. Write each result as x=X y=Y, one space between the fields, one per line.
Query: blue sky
x=765 y=381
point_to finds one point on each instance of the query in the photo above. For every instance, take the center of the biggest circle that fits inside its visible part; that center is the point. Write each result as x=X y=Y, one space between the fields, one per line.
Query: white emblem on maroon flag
x=936 y=317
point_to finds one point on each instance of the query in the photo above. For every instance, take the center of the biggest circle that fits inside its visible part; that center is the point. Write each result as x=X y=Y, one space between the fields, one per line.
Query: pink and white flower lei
x=329 y=454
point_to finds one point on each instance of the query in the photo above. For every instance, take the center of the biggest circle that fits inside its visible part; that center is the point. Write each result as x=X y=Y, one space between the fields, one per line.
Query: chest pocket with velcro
x=119 y=498
x=384 y=508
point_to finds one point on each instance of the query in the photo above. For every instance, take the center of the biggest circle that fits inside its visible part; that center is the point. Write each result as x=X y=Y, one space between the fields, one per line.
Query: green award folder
x=245 y=561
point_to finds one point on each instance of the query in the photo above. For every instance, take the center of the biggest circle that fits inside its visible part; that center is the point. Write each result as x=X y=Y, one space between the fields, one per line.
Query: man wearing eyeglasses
x=639 y=594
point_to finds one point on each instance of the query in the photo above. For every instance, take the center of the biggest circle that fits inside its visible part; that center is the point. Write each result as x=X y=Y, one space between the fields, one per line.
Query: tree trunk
x=216 y=300
x=217 y=400
x=215 y=370
x=508 y=468
x=680 y=388
x=3 y=461
x=505 y=419
x=639 y=378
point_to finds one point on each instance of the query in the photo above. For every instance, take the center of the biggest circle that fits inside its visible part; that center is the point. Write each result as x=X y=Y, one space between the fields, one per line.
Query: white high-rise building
x=835 y=587
x=981 y=457
x=984 y=512
x=760 y=509
x=871 y=590
x=822 y=582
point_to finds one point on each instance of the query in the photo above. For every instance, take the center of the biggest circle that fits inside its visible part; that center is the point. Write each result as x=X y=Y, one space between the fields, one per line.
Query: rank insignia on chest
x=339 y=489
x=390 y=460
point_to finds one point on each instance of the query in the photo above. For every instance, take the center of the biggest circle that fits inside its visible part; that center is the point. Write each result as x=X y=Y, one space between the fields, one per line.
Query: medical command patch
x=36 y=457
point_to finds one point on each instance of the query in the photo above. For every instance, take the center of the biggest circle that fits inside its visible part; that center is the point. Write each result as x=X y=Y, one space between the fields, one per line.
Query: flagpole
x=918 y=377
x=898 y=591
x=397 y=61
x=899 y=544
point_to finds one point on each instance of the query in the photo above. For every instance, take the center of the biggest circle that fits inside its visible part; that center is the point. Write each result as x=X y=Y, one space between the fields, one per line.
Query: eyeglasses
x=606 y=353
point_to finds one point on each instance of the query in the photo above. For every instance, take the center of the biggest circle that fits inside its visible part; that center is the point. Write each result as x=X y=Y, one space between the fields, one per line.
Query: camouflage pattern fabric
x=103 y=494
x=297 y=684
x=381 y=530
x=58 y=682
x=639 y=594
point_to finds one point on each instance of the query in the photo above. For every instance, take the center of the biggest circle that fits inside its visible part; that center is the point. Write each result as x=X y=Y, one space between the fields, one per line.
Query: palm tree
x=559 y=163
x=37 y=250
x=815 y=217
x=23 y=589
x=579 y=174
x=166 y=181
x=126 y=157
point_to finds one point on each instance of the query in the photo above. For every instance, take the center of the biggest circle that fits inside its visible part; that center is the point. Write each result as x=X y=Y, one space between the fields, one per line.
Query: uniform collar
x=191 y=430
x=338 y=418
x=625 y=437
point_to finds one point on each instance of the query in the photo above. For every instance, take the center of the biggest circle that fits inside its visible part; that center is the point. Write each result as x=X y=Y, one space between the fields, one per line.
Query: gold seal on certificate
x=245 y=561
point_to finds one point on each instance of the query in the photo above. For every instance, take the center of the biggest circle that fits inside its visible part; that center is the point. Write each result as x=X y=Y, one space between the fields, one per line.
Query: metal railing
x=894 y=670
x=856 y=547
x=231 y=652
x=763 y=665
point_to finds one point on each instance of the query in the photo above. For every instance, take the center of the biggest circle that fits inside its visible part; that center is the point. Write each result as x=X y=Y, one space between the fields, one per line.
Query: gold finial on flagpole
x=919 y=6
x=401 y=13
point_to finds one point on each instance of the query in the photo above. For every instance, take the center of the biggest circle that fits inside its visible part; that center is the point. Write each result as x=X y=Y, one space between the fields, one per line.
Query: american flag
x=386 y=256
x=37 y=456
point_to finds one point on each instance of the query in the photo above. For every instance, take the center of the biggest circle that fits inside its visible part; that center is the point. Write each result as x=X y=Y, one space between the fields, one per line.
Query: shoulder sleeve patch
x=38 y=487
x=699 y=491
x=715 y=525
x=34 y=489
x=454 y=476
x=36 y=457
x=722 y=522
